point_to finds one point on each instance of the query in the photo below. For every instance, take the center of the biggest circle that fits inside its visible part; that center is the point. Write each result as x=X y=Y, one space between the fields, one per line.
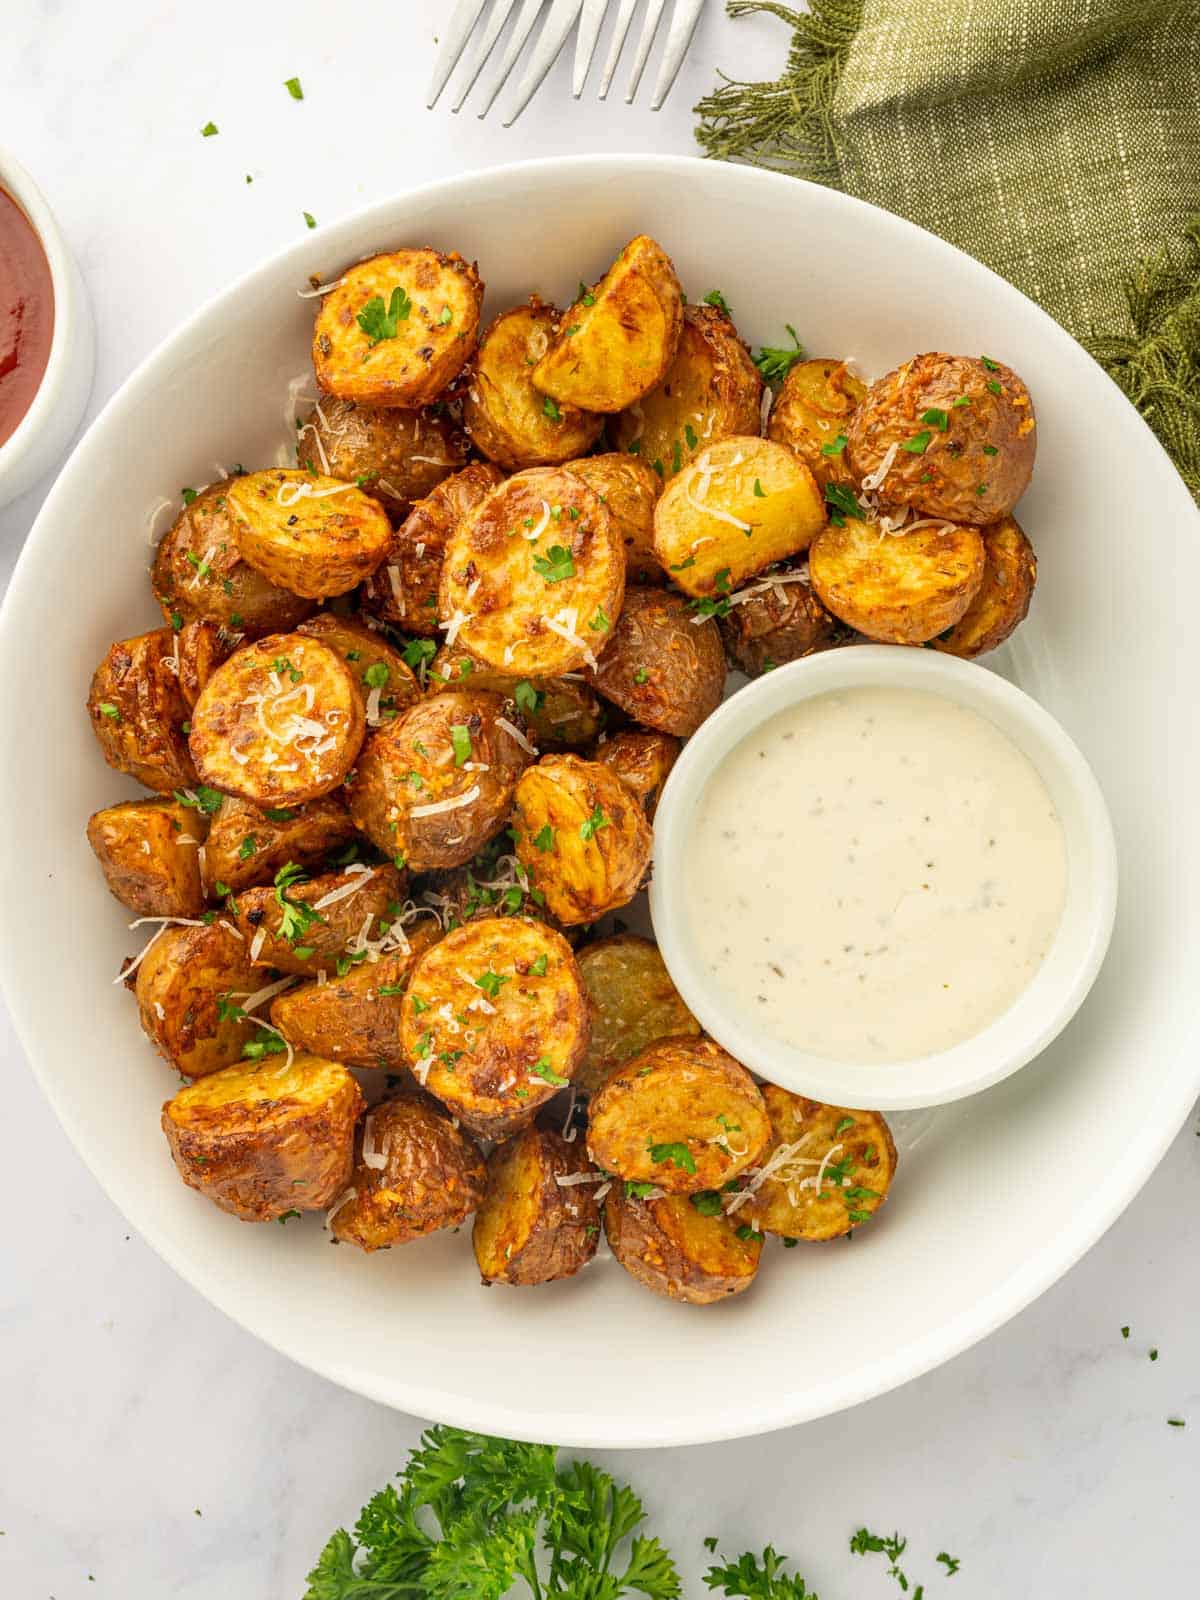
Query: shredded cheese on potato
x=436 y=807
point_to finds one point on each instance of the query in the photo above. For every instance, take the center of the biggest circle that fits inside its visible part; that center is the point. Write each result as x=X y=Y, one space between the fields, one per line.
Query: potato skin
x=309 y=534
x=630 y=489
x=530 y=1228
x=778 y=625
x=974 y=469
x=586 y=869
x=180 y=985
x=432 y=1176
x=642 y=760
x=667 y=1245
x=379 y=894
x=426 y=354
x=812 y=411
x=682 y=1091
x=899 y=588
x=1002 y=600
x=262 y=1141
x=662 y=666
x=149 y=853
x=202 y=647
x=246 y=846
x=368 y=655
x=141 y=731
x=634 y=1004
x=563 y=713
x=397 y=457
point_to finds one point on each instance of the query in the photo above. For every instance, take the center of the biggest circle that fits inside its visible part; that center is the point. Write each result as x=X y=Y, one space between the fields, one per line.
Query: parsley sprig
x=379 y=322
x=775 y=362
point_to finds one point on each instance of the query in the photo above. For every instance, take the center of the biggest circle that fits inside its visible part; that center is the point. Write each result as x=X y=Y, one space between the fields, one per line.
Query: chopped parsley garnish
x=279 y=814
x=292 y=85
x=176 y=620
x=776 y=363
x=227 y=1011
x=836 y=446
x=446 y=318
x=378 y=322
x=247 y=848
x=759 y=491
x=201 y=799
x=992 y=366
x=529 y=700
x=963 y=400
x=417 y=652
x=385 y=990
x=541 y=1068
x=590 y=828
x=918 y=444
x=994 y=386
x=936 y=418
x=460 y=738
x=675 y=1155
x=555 y=565
x=549 y=409
x=707 y=1202
x=639 y=1191
x=714 y=297
x=187 y=496
x=846 y=1122
x=600 y=621
x=990 y=450
x=676 y=456
x=745 y=1233
x=689 y=434
x=376 y=675
x=107 y=709
x=309 y=220
x=266 y=1044
x=682 y=566
x=544 y=839
x=491 y=983
x=297 y=917
x=842 y=504
x=584 y=296
x=640 y=675
x=286 y=1217
x=538 y=969
x=207 y=131
x=281 y=664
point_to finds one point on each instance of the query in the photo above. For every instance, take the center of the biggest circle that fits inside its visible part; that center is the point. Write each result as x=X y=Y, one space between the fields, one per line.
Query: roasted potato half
x=189 y=990
x=386 y=682
x=415 y=1173
x=1002 y=599
x=536 y=1222
x=675 y=1250
x=630 y=489
x=138 y=711
x=311 y=925
x=559 y=713
x=643 y=762
x=261 y=1141
x=397 y=457
x=246 y=845
x=619 y=338
x=582 y=837
x=634 y=1004
x=899 y=588
x=777 y=621
x=682 y=1115
x=811 y=415
x=495 y=1021
x=312 y=535
x=398 y=329
x=149 y=852
x=664 y=665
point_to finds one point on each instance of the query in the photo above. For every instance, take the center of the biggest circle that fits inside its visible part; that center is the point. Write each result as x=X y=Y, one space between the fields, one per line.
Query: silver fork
x=562 y=16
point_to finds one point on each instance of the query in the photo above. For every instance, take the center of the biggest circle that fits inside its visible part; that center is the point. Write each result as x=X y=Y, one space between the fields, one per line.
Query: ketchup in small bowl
x=26 y=314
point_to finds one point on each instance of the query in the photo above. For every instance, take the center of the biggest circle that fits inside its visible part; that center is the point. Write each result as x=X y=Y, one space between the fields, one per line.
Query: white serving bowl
x=989 y=1207
x=1061 y=983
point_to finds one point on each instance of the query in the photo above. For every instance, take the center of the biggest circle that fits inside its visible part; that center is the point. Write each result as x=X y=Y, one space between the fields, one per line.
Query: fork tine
x=501 y=11
x=585 y=44
x=654 y=11
x=683 y=26
x=616 y=44
x=466 y=15
x=562 y=18
x=530 y=11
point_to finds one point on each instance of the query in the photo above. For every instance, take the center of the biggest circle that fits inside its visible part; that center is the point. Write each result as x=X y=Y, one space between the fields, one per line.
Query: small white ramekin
x=41 y=437
x=1061 y=983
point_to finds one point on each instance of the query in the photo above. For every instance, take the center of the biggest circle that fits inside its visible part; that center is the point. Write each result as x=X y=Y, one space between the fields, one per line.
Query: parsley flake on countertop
x=292 y=85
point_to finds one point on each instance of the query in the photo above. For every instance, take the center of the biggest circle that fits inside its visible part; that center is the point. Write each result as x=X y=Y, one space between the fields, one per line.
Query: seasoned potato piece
x=582 y=837
x=533 y=579
x=851 y=1152
x=149 y=853
x=188 y=988
x=398 y=328
x=675 y=1250
x=642 y=761
x=950 y=436
x=404 y=589
x=492 y=884
x=711 y=390
x=262 y=1141
x=511 y=422
x=778 y=622
x=202 y=648
x=495 y=1021
x=663 y=666
x=312 y=535
x=901 y=588
x=630 y=489
x=1002 y=599
x=246 y=845
x=559 y=713
x=436 y=784
x=280 y=722
x=530 y=1227
x=619 y=338
x=397 y=457
x=386 y=682
x=740 y=506
x=415 y=1173
x=138 y=711
x=811 y=415
x=682 y=1114
x=634 y=1004
x=199 y=575
x=311 y=925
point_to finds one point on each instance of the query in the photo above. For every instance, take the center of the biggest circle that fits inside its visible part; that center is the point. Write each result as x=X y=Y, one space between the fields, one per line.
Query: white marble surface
x=146 y=1442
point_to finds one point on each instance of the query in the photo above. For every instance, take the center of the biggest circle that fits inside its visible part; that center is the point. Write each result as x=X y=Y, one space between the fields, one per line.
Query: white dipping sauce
x=876 y=875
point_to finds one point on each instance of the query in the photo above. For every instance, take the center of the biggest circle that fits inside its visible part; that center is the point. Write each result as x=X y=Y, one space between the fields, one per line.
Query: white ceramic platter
x=1000 y=1193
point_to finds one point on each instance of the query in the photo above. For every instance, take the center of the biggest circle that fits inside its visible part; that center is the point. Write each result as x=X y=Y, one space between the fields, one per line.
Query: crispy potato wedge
x=663 y=666
x=531 y=1227
x=852 y=1152
x=581 y=836
x=262 y=1141
x=376 y=664
x=280 y=722
x=149 y=853
x=1002 y=599
x=682 y=1114
x=630 y=489
x=312 y=535
x=397 y=457
x=533 y=578
x=618 y=340
x=742 y=505
x=312 y=925
x=671 y=1248
x=398 y=329
x=642 y=760
x=511 y=422
x=138 y=711
x=415 y=1173
x=495 y=1021
x=777 y=621
x=246 y=845
x=559 y=713
x=188 y=990
x=811 y=414
x=435 y=785
x=202 y=648
x=634 y=1004
x=900 y=588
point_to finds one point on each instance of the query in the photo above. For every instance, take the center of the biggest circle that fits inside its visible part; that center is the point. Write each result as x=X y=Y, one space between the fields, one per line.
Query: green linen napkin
x=1056 y=140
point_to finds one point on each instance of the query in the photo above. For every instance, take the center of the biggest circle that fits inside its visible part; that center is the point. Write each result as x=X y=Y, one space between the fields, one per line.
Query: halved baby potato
x=149 y=852
x=1002 y=599
x=386 y=682
x=900 y=588
x=634 y=1004
x=559 y=713
x=630 y=489
x=310 y=534
x=642 y=760
x=535 y=1223
x=811 y=415
x=138 y=710
x=780 y=622
x=397 y=457
x=312 y=925
x=678 y=1251
x=246 y=845
x=663 y=666
x=189 y=987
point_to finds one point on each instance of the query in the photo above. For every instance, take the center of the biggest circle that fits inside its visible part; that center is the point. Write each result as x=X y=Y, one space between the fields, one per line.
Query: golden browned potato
x=404 y=589
x=1002 y=599
x=582 y=837
x=778 y=622
x=559 y=713
x=811 y=416
x=619 y=338
x=663 y=666
x=682 y=1114
x=675 y=1250
x=634 y=1004
x=630 y=489
x=900 y=588
x=396 y=456
x=533 y=579
x=532 y=1227
x=311 y=925
x=199 y=574
x=950 y=436
x=712 y=389
x=246 y=845
x=189 y=990
x=830 y=1169
x=386 y=682
x=138 y=711
x=149 y=853
x=642 y=760
x=202 y=647
x=495 y=1021
x=312 y=535
x=262 y=1141
x=436 y=784
x=511 y=422
x=280 y=722
x=741 y=505
x=415 y=1173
